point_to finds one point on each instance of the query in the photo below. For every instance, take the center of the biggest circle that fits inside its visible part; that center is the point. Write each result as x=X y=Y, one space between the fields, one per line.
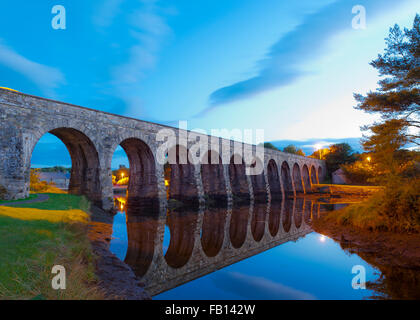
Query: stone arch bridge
x=92 y=136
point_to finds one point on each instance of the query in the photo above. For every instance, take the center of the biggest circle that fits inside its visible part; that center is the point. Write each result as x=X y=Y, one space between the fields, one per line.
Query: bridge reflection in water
x=205 y=240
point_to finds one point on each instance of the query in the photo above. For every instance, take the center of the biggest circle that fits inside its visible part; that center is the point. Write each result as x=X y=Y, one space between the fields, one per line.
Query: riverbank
x=396 y=255
x=32 y=241
x=116 y=278
x=35 y=236
x=383 y=231
x=368 y=226
x=390 y=248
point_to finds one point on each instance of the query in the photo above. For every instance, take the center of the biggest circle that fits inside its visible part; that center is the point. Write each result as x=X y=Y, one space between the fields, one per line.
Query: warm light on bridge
x=9 y=89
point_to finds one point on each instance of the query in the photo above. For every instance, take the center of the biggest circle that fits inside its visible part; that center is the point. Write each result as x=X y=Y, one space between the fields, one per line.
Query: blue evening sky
x=288 y=67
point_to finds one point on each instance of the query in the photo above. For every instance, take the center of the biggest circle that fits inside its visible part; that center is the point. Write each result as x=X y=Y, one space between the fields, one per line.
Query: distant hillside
x=308 y=145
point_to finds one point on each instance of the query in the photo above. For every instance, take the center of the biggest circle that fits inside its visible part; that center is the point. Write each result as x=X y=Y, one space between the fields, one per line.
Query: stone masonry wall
x=91 y=137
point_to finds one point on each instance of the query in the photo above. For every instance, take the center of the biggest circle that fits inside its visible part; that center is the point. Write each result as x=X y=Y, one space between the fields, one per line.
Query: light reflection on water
x=306 y=266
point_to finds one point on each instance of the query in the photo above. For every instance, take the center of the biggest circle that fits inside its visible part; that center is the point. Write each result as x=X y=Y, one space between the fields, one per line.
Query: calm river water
x=264 y=251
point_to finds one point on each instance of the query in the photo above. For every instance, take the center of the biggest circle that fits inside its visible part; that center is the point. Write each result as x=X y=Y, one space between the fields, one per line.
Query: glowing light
x=120 y=202
x=322 y=238
x=166 y=183
x=318 y=146
x=368 y=159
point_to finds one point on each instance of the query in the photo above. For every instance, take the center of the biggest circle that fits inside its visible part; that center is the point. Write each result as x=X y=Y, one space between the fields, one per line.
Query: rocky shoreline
x=387 y=248
x=116 y=279
x=397 y=256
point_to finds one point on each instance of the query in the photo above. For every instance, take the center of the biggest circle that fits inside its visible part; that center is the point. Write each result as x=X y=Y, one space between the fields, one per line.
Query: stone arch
x=238 y=181
x=258 y=182
x=320 y=177
x=286 y=178
x=314 y=175
x=258 y=221
x=85 y=172
x=306 y=179
x=238 y=226
x=274 y=180
x=182 y=183
x=297 y=179
x=142 y=185
x=212 y=231
x=213 y=179
x=182 y=225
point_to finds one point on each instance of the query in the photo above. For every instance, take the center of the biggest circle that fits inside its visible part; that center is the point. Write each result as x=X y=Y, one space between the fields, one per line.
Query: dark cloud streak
x=283 y=63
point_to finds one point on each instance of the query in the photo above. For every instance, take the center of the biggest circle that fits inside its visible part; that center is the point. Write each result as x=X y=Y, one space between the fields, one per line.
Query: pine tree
x=397 y=100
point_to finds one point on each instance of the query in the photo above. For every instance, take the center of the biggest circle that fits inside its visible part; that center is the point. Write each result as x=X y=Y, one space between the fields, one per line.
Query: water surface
x=261 y=251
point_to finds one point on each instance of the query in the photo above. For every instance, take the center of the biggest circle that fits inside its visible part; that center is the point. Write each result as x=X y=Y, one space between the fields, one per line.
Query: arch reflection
x=212 y=232
x=287 y=215
x=274 y=217
x=183 y=262
x=258 y=221
x=238 y=226
x=142 y=226
x=307 y=214
x=298 y=212
x=182 y=225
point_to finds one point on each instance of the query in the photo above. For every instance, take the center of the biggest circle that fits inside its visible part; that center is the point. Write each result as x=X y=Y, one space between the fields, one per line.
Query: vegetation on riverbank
x=394 y=158
x=32 y=241
x=58 y=202
x=38 y=186
x=392 y=209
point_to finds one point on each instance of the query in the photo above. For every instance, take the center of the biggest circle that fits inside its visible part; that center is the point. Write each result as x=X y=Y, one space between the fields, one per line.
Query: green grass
x=32 y=196
x=58 y=202
x=29 y=250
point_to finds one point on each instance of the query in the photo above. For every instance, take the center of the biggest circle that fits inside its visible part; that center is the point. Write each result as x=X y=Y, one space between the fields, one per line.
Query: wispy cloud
x=106 y=13
x=45 y=77
x=258 y=288
x=148 y=30
x=284 y=61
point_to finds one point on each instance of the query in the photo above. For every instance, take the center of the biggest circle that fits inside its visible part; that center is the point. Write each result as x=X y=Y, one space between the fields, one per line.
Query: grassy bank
x=32 y=241
x=395 y=208
x=58 y=202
